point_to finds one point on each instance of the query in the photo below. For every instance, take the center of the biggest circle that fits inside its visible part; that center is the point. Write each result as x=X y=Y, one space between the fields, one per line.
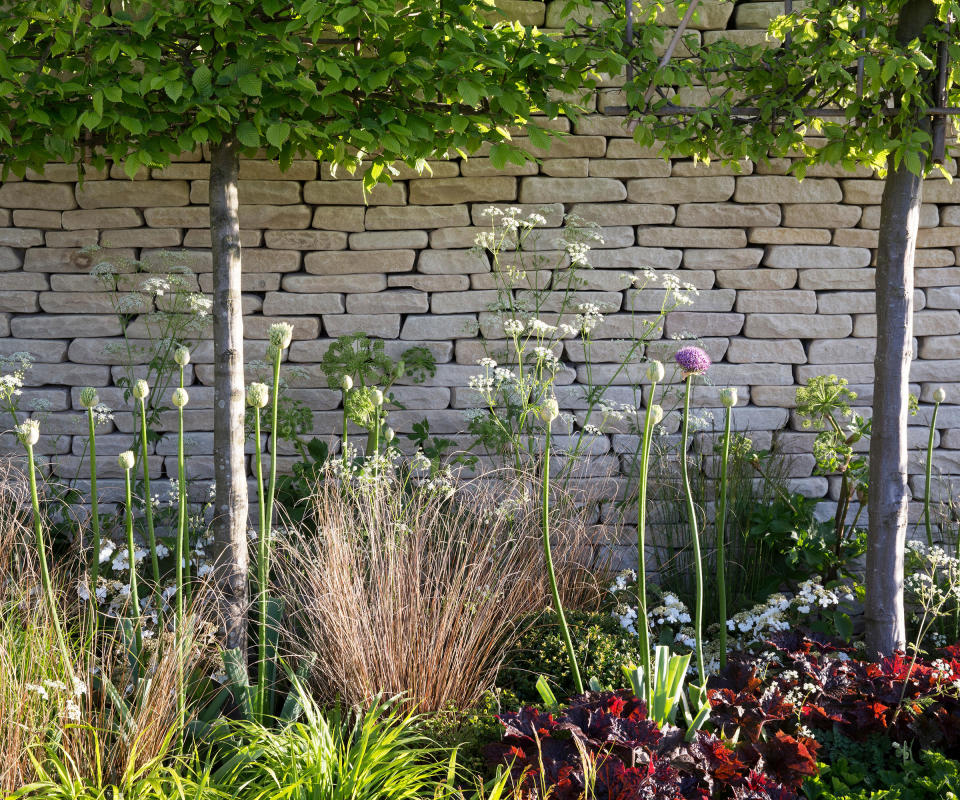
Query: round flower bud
x=258 y=395
x=28 y=432
x=126 y=459
x=728 y=396
x=141 y=389
x=377 y=397
x=655 y=371
x=550 y=410
x=656 y=414
x=281 y=334
x=346 y=383
x=180 y=398
x=89 y=397
x=388 y=434
x=182 y=356
x=939 y=395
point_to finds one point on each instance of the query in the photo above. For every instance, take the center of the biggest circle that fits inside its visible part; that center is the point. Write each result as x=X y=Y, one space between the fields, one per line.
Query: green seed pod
x=28 y=432
x=656 y=414
x=126 y=459
x=550 y=410
x=388 y=434
x=182 y=356
x=89 y=397
x=180 y=398
x=258 y=395
x=141 y=389
x=655 y=371
x=939 y=395
x=729 y=397
x=377 y=397
x=281 y=334
x=346 y=383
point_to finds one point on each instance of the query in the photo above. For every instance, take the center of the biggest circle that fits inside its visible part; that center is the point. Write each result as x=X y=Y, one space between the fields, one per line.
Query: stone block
x=802 y=236
x=132 y=194
x=923 y=259
x=373 y=282
x=841 y=351
x=21 y=302
x=680 y=190
x=608 y=214
x=383 y=240
x=31 y=218
x=21 y=237
x=797 y=326
x=862 y=192
x=71 y=238
x=941 y=192
x=691 y=237
x=925 y=323
x=350 y=193
x=944 y=297
x=305 y=240
x=777 y=302
x=746 y=258
x=102 y=218
x=939 y=237
x=940 y=347
x=66 y=259
x=834 y=279
x=629 y=168
x=142 y=237
x=825 y=215
x=571 y=190
x=566 y=167
x=452 y=262
x=282 y=303
x=929 y=217
x=10 y=259
x=461 y=302
x=396 y=301
x=727 y=215
x=937 y=277
x=453 y=238
x=348 y=262
x=752 y=351
x=43 y=196
x=786 y=189
x=75 y=303
x=698 y=323
x=564 y=147
x=631 y=258
x=653 y=299
x=421 y=216
x=479 y=167
x=802 y=257
x=442 y=191
x=248 y=283
x=553 y=213
x=433 y=169
x=255 y=327
x=339 y=218
x=446 y=327
x=23 y=281
x=271 y=260
x=46 y=326
x=855 y=237
x=759 y=279
x=383 y=326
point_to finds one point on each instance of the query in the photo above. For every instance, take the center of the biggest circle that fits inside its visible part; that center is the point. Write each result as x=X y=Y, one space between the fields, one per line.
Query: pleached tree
x=359 y=83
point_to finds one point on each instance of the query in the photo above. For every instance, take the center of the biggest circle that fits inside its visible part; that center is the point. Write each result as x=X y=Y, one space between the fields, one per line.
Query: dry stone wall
x=784 y=271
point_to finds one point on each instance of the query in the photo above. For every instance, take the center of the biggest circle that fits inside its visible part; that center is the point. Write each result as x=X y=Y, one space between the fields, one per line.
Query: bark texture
x=231 y=502
x=889 y=495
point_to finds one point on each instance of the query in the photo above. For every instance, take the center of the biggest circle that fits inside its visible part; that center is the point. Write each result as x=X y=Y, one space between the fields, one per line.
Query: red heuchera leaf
x=790 y=759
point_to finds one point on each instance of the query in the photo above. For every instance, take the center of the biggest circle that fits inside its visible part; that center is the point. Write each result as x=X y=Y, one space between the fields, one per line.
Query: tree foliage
x=355 y=82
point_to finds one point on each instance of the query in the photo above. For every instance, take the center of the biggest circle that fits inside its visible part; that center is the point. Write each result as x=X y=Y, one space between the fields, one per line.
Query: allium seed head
x=28 y=432
x=281 y=334
x=939 y=395
x=729 y=397
x=182 y=356
x=655 y=371
x=550 y=410
x=346 y=383
x=141 y=389
x=180 y=398
x=656 y=414
x=89 y=397
x=692 y=360
x=126 y=459
x=258 y=395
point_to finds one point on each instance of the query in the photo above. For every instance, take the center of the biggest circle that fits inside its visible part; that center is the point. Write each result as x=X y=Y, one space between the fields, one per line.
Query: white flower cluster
x=58 y=691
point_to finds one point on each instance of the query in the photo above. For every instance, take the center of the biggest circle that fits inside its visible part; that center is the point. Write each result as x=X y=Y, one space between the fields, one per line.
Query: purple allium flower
x=692 y=360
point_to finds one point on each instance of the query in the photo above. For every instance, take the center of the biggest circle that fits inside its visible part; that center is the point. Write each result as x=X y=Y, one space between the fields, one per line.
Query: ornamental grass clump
x=419 y=588
x=693 y=361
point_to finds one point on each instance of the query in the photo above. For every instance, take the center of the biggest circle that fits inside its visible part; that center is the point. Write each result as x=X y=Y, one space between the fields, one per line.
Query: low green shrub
x=933 y=777
x=602 y=647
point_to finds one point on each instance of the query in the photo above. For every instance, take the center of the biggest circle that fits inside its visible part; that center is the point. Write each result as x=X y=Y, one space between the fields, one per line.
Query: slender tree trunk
x=230 y=504
x=889 y=495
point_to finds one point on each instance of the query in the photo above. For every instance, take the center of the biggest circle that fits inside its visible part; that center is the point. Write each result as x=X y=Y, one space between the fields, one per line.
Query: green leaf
x=278 y=133
x=248 y=135
x=173 y=90
x=202 y=79
x=468 y=92
x=250 y=84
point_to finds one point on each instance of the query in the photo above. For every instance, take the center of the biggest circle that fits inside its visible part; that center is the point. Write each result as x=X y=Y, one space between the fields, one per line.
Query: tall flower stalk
x=548 y=413
x=28 y=432
x=140 y=391
x=258 y=395
x=89 y=400
x=729 y=399
x=654 y=413
x=346 y=384
x=127 y=460
x=938 y=397
x=693 y=361
x=180 y=399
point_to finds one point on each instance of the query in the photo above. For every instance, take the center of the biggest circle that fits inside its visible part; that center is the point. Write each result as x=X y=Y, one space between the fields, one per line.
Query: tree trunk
x=889 y=495
x=230 y=504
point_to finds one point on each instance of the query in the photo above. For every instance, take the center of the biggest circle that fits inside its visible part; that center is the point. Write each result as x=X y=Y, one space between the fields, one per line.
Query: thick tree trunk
x=889 y=496
x=230 y=503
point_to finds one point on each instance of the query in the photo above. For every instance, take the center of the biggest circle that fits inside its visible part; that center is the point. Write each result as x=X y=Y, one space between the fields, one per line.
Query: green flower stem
x=42 y=556
x=548 y=556
x=928 y=473
x=181 y=551
x=95 y=513
x=183 y=527
x=148 y=498
x=260 y=699
x=642 y=622
x=694 y=535
x=132 y=560
x=721 y=524
x=343 y=444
